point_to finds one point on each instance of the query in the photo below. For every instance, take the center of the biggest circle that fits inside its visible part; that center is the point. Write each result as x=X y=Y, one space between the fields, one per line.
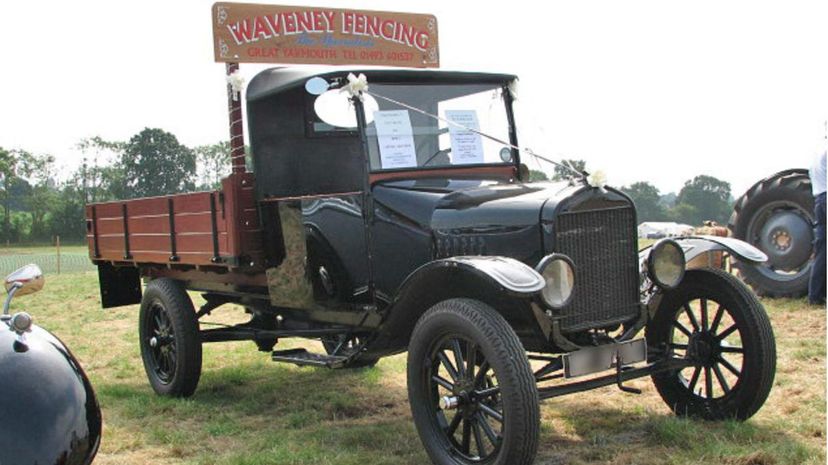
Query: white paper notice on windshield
x=396 y=139
x=466 y=146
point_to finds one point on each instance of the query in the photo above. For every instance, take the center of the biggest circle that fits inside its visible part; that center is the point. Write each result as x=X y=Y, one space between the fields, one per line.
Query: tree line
x=702 y=198
x=36 y=207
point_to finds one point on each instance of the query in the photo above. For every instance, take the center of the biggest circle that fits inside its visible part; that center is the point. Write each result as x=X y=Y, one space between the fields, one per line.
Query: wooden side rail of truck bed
x=201 y=229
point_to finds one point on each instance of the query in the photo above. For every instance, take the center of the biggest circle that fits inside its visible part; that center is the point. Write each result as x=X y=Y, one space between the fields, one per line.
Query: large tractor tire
x=776 y=215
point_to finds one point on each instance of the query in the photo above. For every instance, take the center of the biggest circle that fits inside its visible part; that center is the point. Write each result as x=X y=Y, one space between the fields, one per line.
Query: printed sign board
x=251 y=33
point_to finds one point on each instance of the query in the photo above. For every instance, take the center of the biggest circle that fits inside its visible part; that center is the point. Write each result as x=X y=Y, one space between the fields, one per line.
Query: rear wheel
x=169 y=339
x=472 y=392
x=715 y=322
x=776 y=216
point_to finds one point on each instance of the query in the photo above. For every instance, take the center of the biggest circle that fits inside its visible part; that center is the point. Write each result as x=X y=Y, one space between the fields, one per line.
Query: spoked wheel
x=713 y=321
x=169 y=338
x=465 y=388
x=161 y=343
x=471 y=389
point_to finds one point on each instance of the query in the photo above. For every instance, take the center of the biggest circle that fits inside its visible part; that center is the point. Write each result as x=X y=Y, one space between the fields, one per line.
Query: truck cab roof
x=279 y=79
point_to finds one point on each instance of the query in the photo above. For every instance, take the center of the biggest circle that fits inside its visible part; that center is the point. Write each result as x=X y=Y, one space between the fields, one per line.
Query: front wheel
x=715 y=322
x=471 y=389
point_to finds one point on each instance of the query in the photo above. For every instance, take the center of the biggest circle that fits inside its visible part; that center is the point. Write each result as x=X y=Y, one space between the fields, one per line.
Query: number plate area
x=594 y=359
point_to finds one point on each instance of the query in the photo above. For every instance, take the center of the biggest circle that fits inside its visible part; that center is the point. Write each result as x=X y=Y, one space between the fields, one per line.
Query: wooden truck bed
x=201 y=229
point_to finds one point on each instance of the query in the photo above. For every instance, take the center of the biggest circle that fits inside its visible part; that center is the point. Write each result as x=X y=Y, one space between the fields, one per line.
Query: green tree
x=684 y=213
x=213 y=164
x=155 y=163
x=537 y=175
x=562 y=173
x=39 y=170
x=646 y=197
x=96 y=178
x=66 y=217
x=709 y=196
x=7 y=165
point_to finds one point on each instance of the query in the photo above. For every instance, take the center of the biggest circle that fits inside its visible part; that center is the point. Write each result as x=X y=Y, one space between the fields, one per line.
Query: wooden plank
x=150 y=225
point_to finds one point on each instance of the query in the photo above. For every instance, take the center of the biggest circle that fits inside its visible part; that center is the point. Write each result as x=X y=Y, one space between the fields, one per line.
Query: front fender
x=505 y=284
x=693 y=246
x=515 y=277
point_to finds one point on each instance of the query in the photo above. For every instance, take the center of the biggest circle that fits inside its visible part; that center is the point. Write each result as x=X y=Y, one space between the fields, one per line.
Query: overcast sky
x=643 y=90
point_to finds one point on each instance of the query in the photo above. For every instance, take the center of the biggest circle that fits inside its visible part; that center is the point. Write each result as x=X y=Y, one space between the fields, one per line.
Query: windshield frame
x=507 y=100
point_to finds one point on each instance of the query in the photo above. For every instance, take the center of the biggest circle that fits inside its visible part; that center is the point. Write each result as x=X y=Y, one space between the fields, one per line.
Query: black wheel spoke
x=491 y=412
x=708 y=382
x=466 y=444
x=703 y=308
x=729 y=366
x=692 y=317
x=717 y=319
x=481 y=373
x=458 y=358
x=681 y=328
x=727 y=332
x=488 y=392
x=442 y=382
x=449 y=367
x=455 y=422
x=471 y=356
x=478 y=437
x=678 y=346
x=694 y=379
x=732 y=350
x=720 y=377
x=487 y=428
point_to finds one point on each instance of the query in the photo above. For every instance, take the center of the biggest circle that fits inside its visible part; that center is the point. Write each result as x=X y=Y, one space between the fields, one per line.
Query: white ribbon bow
x=356 y=85
x=513 y=89
x=236 y=81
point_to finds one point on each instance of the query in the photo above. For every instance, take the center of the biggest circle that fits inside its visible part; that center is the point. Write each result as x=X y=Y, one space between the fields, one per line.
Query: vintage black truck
x=391 y=213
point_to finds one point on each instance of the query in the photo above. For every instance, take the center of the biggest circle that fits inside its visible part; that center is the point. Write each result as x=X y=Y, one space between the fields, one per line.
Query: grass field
x=251 y=411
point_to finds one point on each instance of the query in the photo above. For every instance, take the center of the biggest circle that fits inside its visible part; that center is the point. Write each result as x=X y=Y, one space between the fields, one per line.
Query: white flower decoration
x=236 y=81
x=597 y=178
x=513 y=89
x=356 y=85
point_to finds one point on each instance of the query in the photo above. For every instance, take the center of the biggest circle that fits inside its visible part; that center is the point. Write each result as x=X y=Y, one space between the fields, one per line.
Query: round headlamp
x=666 y=263
x=559 y=275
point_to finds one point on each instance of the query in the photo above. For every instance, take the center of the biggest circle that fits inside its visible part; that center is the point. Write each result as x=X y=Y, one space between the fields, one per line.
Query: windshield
x=401 y=138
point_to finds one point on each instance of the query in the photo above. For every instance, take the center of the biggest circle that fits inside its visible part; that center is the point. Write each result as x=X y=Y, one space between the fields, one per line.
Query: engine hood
x=477 y=217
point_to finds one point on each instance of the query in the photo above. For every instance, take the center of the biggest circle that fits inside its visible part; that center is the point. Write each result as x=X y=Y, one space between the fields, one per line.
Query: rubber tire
x=759 y=365
x=172 y=296
x=501 y=346
x=792 y=186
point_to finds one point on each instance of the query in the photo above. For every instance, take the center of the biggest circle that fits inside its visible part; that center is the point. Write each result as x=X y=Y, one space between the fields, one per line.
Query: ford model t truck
x=398 y=218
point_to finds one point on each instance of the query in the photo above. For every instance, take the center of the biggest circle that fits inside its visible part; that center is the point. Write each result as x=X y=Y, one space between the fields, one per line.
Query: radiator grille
x=602 y=245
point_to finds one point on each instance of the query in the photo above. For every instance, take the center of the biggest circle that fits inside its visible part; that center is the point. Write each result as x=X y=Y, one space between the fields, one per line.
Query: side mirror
x=27 y=280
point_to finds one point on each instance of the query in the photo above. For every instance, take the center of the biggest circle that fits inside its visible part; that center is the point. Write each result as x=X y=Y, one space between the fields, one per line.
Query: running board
x=302 y=357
